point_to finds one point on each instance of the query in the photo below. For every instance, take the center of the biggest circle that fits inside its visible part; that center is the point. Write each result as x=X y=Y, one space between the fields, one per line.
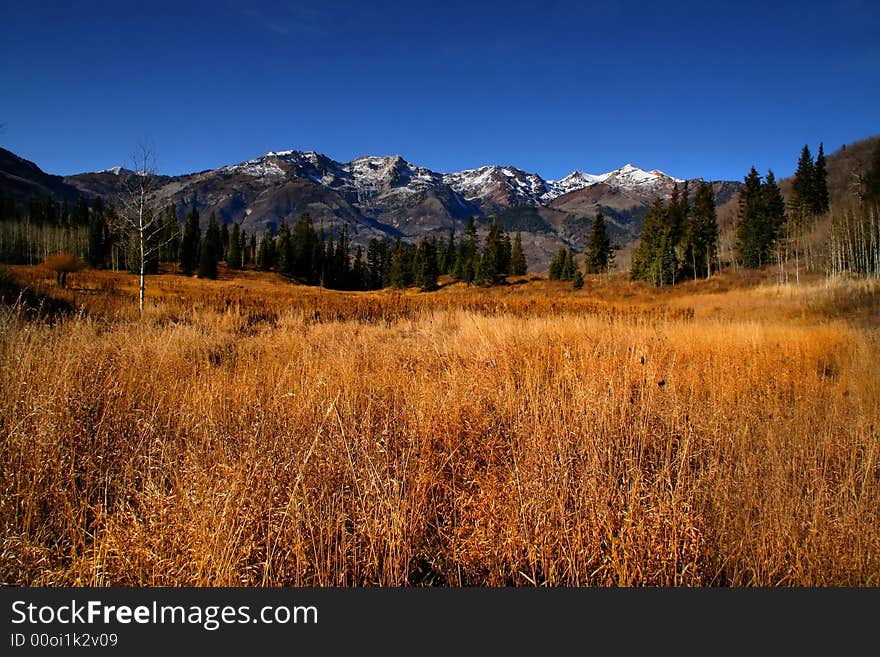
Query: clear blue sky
x=692 y=88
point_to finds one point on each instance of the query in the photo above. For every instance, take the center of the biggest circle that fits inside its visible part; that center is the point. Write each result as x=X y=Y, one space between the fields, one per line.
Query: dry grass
x=251 y=432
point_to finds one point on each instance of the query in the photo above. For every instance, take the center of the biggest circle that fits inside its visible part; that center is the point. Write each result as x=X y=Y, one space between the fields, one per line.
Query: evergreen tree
x=401 y=266
x=820 y=183
x=773 y=207
x=654 y=258
x=211 y=250
x=426 y=265
x=224 y=241
x=250 y=254
x=518 y=265
x=190 y=243
x=599 y=253
x=555 y=270
x=284 y=250
x=803 y=189
x=448 y=264
x=495 y=260
x=566 y=273
x=170 y=249
x=869 y=189
x=234 y=256
x=700 y=239
x=303 y=240
x=266 y=250
x=577 y=282
x=359 y=271
x=466 y=262
x=749 y=230
x=377 y=253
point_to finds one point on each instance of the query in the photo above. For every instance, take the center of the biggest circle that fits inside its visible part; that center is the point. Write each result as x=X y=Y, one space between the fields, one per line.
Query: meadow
x=250 y=431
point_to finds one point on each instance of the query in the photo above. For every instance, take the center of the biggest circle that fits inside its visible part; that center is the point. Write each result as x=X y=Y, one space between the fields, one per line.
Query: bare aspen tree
x=136 y=219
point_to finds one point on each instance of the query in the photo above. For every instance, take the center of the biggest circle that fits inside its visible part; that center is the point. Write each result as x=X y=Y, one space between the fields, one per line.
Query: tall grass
x=558 y=440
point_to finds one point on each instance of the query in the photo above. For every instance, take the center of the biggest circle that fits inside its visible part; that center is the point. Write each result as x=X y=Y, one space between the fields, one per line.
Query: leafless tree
x=137 y=220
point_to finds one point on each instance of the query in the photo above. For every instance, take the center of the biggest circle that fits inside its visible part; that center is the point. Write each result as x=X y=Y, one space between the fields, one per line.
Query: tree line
x=313 y=256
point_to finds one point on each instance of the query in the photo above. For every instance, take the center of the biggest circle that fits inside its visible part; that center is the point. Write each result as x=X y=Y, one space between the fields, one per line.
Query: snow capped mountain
x=506 y=186
x=377 y=178
x=629 y=177
x=117 y=171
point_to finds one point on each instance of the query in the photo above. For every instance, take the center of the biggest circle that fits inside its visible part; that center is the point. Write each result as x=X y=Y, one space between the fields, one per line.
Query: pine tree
x=210 y=251
x=803 y=188
x=820 y=183
x=750 y=226
x=869 y=188
x=266 y=250
x=577 y=282
x=599 y=253
x=234 y=255
x=700 y=239
x=284 y=250
x=467 y=259
x=518 y=265
x=426 y=265
x=170 y=235
x=773 y=208
x=555 y=270
x=449 y=255
x=568 y=267
x=224 y=241
x=654 y=258
x=495 y=258
x=189 y=245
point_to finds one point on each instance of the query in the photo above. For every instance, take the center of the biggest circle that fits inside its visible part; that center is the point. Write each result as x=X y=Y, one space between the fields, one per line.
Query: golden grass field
x=248 y=431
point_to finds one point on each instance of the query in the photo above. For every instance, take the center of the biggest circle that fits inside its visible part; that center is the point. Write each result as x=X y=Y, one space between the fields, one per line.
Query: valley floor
x=249 y=431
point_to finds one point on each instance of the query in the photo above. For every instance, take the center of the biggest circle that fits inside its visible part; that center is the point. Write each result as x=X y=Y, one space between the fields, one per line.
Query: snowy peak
x=117 y=171
x=629 y=177
x=373 y=177
x=505 y=186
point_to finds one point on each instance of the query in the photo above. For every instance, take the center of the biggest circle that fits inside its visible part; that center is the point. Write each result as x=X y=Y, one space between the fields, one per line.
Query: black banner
x=132 y=621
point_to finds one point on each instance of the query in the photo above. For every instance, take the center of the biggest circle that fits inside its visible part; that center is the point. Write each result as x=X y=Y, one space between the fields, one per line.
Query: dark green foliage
x=566 y=273
x=518 y=266
x=266 y=251
x=700 y=237
x=821 y=200
x=599 y=255
x=234 y=257
x=467 y=258
x=401 y=274
x=284 y=250
x=761 y=219
x=170 y=249
x=523 y=218
x=190 y=243
x=224 y=241
x=494 y=262
x=555 y=270
x=803 y=186
x=425 y=265
x=446 y=254
x=250 y=254
x=211 y=250
x=378 y=264
x=869 y=190
x=577 y=282
x=654 y=259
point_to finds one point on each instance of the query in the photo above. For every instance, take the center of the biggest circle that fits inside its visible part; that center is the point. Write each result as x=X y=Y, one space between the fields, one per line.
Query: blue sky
x=692 y=88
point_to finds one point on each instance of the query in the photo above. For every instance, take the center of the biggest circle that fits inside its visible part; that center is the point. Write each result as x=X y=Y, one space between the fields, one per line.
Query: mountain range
x=388 y=196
